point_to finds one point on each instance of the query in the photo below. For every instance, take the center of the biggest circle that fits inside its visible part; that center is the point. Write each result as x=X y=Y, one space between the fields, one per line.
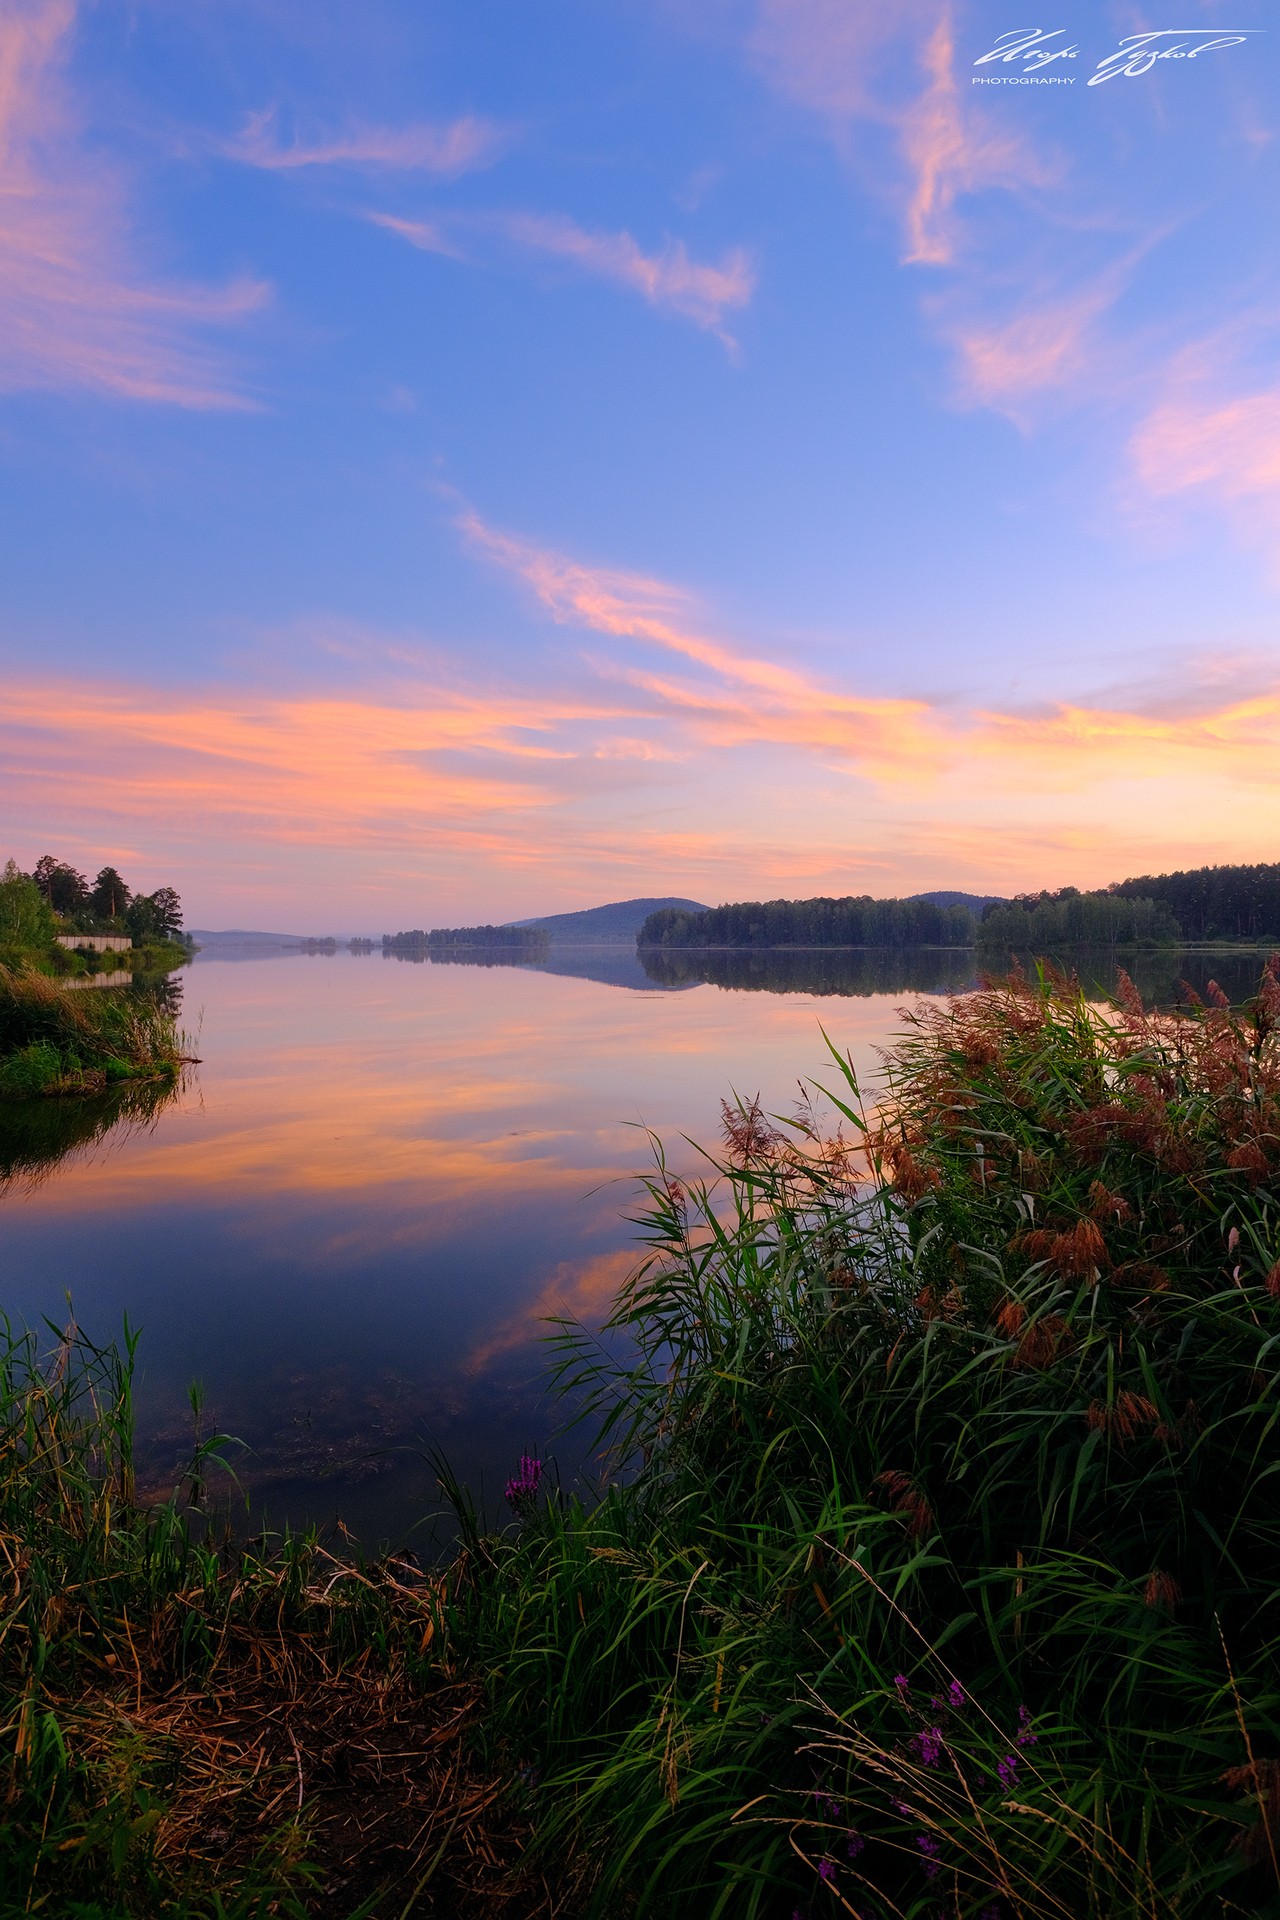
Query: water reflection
x=849 y=972
x=36 y=1136
x=1162 y=977
x=352 y=1220
x=619 y=966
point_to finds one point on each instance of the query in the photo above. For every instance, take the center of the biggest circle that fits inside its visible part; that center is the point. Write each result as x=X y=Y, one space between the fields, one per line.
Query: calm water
x=352 y=1222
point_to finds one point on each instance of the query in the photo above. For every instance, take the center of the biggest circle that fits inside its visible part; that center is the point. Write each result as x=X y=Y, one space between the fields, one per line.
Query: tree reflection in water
x=38 y=1135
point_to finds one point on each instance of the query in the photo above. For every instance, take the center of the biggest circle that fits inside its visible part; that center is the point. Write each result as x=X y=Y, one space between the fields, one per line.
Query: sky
x=462 y=460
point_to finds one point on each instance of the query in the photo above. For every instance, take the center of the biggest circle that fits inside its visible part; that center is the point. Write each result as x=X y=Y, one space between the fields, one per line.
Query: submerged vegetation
x=938 y=1574
x=56 y=1040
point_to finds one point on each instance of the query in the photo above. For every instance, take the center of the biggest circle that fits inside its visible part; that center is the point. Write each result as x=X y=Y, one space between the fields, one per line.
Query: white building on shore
x=96 y=942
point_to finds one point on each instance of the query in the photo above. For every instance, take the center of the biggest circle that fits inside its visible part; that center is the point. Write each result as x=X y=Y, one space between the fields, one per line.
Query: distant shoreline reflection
x=1161 y=975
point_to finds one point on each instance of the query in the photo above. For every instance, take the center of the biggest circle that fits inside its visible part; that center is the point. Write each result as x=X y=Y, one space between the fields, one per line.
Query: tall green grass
x=54 y=1039
x=943 y=1575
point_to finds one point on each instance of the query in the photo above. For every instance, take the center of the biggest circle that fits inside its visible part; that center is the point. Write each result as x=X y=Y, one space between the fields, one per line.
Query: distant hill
x=612 y=926
x=974 y=901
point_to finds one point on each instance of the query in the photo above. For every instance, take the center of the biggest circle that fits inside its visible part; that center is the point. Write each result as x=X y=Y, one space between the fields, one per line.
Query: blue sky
x=465 y=460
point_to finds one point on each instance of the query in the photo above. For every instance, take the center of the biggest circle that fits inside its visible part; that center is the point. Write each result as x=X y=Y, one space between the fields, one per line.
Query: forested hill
x=1216 y=903
x=854 y=921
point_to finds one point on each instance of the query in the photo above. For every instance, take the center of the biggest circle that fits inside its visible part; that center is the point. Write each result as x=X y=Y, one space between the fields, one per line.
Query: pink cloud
x=1230 y=447
x=950 y=149
x=854 y=64
x=1051 y=342
x=747 y=699
x=75 y=311
x=427 y=235
x=458 y=146
x=702 y=293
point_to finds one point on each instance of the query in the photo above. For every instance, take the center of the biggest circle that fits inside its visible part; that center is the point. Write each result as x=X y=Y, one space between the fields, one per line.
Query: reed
x=938 y=1574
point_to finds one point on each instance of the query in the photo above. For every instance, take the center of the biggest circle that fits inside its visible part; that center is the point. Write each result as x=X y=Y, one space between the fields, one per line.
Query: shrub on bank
x=947 y=1574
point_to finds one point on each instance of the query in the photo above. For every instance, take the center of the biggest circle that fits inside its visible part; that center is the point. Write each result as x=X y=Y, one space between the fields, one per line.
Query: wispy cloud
x=76 y=311
x=950 y=149
x=487 y=790
x=1050 y=342
x=765 y=702
x=702 y=292
x=453 y=147
x=1230 y=447
x=428 y=236
x=564 y=785
x=893 y=68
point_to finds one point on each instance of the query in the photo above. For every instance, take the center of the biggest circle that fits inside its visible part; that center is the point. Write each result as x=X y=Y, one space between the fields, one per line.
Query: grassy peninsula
x=55 y=1039
x=937 y=1573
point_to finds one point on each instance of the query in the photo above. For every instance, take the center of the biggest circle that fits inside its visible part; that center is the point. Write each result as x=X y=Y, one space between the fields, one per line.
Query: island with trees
x=522 y=943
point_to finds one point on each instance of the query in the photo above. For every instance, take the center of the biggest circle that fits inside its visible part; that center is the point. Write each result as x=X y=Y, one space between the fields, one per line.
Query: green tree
x=167 y=908
x=66 y=890
x=110 y=895
x=154 y=916
x=26 y=919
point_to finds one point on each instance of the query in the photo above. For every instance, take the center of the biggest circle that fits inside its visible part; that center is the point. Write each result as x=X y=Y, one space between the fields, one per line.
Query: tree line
x=1216 y=903
x=529 y=940
x=854 y=921
x=1069 y=918
x=1153 y=910
x=56 y=898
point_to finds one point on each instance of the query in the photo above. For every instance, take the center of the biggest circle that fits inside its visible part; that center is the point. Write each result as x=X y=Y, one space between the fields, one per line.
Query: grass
x=57 y=1040
x=944 y=1577
x=213 y=1731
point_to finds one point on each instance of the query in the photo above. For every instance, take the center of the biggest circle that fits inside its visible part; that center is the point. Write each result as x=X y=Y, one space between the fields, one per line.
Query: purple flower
x=826 y=1872
x=930 y=1848
x=521 y=1491
x=1025 y=1736
x=855 y=1846
x=955 y=1695
x=928 y=1745
x=826 y=1804
x=1007 y=1771
x=900 y=1682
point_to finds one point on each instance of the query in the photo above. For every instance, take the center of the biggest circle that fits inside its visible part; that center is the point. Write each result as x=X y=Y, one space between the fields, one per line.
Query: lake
x=352 y=1222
